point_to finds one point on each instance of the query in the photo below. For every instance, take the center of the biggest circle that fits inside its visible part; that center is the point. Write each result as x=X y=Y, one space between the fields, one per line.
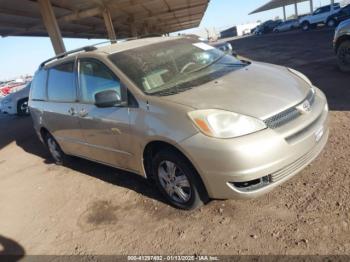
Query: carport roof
x=275 y=4
x=83 y=18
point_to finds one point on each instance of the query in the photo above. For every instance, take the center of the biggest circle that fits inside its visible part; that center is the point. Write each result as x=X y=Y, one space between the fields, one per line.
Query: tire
x=343 y=55
x=188 y=192
x=331 y=23
x=58 y=156
x=305 y=26
x=22 y=107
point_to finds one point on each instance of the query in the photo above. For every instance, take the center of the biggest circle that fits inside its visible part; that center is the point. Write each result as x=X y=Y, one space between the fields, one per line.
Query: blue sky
x=22 y=55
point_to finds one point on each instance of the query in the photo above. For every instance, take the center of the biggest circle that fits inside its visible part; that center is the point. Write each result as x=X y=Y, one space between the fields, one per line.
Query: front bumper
x=8 y=109
x=262 y=160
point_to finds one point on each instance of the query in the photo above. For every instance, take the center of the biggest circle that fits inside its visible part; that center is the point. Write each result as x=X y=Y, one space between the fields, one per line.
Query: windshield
x=175 y=65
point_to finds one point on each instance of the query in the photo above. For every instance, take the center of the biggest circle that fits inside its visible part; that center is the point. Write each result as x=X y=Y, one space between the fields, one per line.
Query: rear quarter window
x=38 y=86
x=61 y=83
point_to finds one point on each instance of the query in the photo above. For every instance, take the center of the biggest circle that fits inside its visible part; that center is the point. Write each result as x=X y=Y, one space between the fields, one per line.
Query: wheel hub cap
x=174 y=182
x=53 y=149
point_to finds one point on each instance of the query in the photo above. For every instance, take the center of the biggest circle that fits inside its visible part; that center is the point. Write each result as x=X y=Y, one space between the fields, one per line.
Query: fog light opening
x=252 y=184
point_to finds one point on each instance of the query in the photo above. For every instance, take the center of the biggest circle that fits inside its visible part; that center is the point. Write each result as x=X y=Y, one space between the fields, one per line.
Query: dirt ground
x=88 y=208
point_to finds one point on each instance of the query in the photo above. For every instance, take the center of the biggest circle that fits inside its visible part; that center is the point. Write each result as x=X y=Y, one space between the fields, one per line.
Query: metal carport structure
x=272 y=4
x=113 y=19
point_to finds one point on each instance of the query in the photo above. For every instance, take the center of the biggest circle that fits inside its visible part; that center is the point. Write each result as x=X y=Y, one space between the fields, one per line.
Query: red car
x=5 y=90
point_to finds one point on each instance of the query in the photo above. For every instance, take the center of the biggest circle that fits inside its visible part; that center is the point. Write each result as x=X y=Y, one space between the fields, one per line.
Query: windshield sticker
x=203 y=46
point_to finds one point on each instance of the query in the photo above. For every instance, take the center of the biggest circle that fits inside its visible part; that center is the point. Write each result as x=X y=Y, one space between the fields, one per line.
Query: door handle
x=71 y=111
x=83 y=113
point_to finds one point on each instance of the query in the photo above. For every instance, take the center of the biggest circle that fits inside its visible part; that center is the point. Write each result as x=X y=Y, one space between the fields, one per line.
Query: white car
x=16 y=102
x=320 y=16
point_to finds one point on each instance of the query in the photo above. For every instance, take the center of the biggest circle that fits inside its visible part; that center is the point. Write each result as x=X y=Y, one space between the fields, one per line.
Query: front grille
x=288 y=115
x=282 y=118
x=298 y=164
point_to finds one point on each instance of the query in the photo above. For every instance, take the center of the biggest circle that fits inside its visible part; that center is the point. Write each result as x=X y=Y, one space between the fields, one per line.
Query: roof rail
x=81 y=49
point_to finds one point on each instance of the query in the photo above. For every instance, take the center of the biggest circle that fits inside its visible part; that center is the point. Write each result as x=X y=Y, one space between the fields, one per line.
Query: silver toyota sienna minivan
x=199 y=123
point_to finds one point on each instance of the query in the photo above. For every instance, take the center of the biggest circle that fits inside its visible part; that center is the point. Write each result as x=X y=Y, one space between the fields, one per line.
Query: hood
x=258 y=90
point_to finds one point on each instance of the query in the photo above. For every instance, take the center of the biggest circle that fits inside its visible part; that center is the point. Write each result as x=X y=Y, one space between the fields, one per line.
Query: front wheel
x=178 y=181
x=344 y=56
x=22 y=107
x=305 y=26
x=331 y=23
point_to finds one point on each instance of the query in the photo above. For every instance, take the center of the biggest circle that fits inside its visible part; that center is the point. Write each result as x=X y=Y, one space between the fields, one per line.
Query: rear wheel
x=305 y=26
x=344 y=56
x=55 y=150
x=22 y=107
x=331 y=23
x=178 y=181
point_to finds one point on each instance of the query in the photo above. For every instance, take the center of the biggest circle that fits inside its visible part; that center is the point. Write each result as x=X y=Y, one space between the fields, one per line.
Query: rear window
x=61 y=83
x=38 y=87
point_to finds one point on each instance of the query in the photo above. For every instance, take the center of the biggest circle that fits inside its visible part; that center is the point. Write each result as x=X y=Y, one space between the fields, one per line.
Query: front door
x=106 y=130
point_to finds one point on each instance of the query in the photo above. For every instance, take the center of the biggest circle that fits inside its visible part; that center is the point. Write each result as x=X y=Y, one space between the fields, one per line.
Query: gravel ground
x=87 y=208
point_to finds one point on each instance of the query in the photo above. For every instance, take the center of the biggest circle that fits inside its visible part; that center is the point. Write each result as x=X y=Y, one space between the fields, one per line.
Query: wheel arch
x=341 y=40
x=155 y=146
x=43 y=133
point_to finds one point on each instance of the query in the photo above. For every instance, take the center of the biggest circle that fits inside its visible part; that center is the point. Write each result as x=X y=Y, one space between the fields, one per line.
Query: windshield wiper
x=232 y=65
x=208 y=65
x=174 y=87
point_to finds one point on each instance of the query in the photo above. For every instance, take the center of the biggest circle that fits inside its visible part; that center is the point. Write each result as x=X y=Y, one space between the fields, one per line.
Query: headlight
x=224 y=124
x=302 y=76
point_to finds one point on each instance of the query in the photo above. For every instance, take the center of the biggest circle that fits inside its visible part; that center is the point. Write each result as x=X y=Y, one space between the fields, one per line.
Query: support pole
x=133 y=30
x=109 y=25
x=146 y=30
x=296 y=10
x=51 y=26
x=311 y=6
x=284 y=13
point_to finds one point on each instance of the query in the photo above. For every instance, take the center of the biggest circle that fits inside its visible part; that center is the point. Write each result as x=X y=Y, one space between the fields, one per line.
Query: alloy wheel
x=331 y=23
x=54 y=149
x=174 y=182
x=24 y=107
x=344 y=55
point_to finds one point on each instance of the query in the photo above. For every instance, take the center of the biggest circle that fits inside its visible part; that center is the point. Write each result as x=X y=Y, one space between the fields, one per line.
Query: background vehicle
x=287 y=25
x=16 y=102
x=318 y=17
x=6 y=89
x=342 y=45
x=341 y=15
x=267 y=27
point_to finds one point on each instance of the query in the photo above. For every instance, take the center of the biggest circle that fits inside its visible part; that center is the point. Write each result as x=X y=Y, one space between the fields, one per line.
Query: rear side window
x=95 y=77
x=61 y=83
x=38 y=87
x=325 y=9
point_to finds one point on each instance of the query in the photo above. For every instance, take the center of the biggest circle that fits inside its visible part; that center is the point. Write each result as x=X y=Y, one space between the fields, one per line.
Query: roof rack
x=81 y=49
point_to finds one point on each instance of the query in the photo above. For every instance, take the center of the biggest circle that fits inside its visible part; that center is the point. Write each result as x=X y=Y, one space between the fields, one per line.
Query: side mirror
x=107 y=98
